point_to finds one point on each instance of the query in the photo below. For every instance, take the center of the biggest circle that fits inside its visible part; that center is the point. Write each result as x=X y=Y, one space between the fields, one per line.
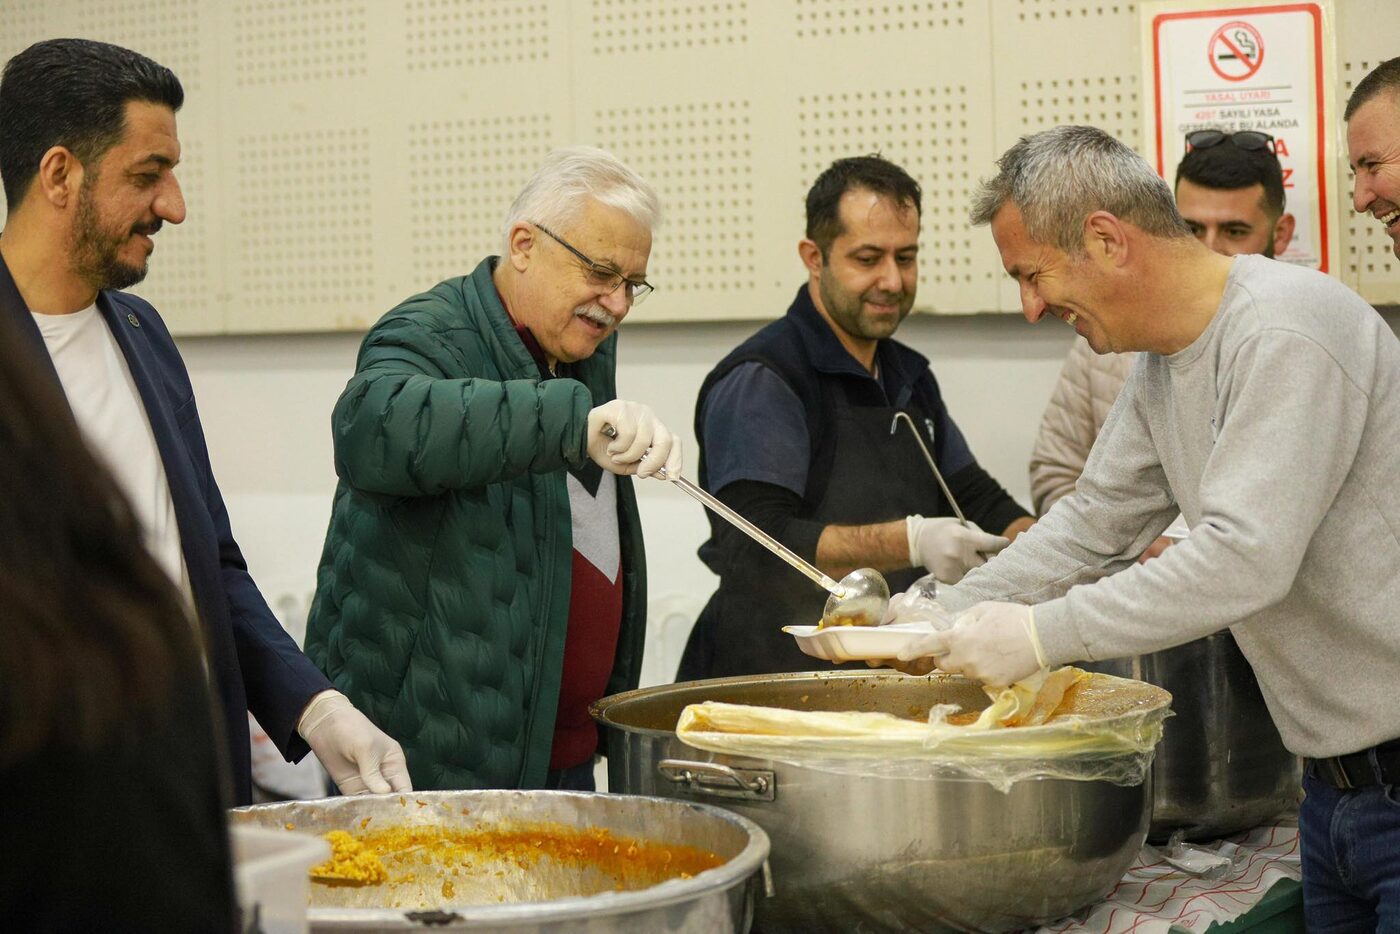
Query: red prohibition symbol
x=1236 y=51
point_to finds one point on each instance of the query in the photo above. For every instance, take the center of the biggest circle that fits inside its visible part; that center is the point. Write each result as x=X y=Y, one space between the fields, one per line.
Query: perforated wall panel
x=463 y=178
x=624 y=26
x=343 y=154
x=835 y=18
x=304 y=231
x=277 y=42
x=700 y=157
x=455 y=34
x=166 y=30
x=21 y=25
x=1106 y=101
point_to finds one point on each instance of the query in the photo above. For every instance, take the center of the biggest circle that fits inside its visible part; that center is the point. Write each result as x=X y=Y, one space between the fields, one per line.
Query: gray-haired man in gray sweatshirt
x=1266 y=409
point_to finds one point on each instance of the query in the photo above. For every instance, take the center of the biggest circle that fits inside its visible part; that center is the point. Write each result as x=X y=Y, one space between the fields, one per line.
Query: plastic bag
x=1107 y=731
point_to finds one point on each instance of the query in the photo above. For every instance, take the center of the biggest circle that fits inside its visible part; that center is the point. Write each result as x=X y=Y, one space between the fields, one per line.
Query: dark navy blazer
x=254 y=664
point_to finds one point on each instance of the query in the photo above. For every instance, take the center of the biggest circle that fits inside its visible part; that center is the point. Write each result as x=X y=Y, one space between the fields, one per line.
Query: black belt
x=1355 y=770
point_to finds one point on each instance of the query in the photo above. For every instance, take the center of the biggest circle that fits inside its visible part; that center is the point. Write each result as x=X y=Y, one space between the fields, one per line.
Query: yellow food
x=351 y=861
x=842 y=619
x=399 y=855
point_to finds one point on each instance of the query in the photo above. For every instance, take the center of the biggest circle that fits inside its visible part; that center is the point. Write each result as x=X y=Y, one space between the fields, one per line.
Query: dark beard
x=95 y=252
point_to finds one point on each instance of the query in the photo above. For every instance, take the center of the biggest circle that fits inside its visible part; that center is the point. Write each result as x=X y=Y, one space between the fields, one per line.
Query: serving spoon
x=858 y=599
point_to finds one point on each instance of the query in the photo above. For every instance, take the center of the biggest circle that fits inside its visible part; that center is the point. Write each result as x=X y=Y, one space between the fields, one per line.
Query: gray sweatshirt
x=1277 y=434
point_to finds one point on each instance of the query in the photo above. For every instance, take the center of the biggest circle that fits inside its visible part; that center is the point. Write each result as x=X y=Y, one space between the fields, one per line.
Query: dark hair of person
x=1384 y=77
x=72 y=93
x=1226 y=167
x=94 y=632
x=872 y=173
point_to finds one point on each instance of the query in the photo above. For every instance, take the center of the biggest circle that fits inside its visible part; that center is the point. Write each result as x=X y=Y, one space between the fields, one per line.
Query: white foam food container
x=270 y=877
x=854 y=643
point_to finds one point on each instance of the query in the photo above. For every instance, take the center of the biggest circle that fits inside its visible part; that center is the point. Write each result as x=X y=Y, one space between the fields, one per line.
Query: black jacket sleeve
x=774 y=510
x=983 y=500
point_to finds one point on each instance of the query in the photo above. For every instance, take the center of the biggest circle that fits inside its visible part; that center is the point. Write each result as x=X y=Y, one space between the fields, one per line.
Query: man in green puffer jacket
x=483 y=579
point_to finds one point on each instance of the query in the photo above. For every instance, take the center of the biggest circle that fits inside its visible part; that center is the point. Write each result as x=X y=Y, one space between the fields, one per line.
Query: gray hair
x=1059 y=177
x=555 y=195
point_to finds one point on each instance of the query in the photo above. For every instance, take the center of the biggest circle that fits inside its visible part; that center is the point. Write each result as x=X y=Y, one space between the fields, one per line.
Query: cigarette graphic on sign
x=1236 y=51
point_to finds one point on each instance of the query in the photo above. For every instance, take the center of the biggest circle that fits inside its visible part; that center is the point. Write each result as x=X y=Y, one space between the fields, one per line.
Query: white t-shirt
x=115 y=426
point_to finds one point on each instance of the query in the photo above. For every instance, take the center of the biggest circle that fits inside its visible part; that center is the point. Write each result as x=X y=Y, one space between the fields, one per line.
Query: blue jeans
x=573 y=778
x=1351 y=858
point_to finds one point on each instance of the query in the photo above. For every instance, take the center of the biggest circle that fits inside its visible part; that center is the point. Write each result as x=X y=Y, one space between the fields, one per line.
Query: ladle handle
x=747 y=527
x=758 y=535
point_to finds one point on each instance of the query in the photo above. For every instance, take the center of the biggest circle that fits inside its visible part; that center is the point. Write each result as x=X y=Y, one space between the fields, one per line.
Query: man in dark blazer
x=87 y=151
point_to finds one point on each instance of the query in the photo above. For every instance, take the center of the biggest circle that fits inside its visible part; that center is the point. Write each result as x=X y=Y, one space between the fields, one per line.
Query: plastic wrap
x=1106 y=729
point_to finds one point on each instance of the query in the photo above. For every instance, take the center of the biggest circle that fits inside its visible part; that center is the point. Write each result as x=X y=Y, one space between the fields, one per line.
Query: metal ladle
x=928 y=456
x=861 y=597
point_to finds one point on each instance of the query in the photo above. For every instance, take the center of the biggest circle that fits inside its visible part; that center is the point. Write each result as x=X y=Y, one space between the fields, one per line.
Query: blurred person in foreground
x=483 y=579
x=110 y=753
x=88 y=149
x=1266 y=409
x=1229 y=190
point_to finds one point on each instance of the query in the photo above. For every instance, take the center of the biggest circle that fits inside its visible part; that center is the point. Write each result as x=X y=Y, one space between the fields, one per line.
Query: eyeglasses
x=605 y=278
x=1248 y=140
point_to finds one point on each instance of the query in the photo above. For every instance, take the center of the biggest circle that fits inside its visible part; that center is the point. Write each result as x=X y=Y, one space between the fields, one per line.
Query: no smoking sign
x=1236 y=51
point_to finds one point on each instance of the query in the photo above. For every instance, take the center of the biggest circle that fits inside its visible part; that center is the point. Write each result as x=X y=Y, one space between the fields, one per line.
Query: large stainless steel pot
x=554 y=896
x=865 y=853
x=1221 y=766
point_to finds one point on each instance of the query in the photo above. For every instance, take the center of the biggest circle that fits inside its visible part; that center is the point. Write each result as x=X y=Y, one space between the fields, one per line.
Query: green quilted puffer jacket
x=442 y=595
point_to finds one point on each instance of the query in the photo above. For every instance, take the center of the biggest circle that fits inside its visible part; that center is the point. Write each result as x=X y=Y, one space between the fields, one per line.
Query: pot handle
x=721 y=781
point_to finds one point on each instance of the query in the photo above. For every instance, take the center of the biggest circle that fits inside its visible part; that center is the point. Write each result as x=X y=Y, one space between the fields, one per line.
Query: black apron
x=875 y=477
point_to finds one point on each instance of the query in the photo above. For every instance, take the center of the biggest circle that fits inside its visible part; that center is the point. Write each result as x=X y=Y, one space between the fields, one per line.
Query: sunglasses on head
x=1248 y=140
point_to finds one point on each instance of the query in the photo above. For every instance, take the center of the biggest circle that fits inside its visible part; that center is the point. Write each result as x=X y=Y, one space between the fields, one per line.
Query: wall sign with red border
x=1250 y=65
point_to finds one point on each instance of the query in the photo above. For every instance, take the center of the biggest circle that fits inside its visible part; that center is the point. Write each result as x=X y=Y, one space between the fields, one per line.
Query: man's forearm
x=1017 y=527
x=883 y=546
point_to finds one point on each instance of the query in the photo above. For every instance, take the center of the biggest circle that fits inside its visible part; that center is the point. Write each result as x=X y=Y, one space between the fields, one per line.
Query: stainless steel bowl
x=865 y=853
x=1221 y=766
x=501 y=894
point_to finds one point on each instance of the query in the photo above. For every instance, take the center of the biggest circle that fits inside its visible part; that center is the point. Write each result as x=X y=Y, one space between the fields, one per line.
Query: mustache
x=597 y=313
x=149 y=228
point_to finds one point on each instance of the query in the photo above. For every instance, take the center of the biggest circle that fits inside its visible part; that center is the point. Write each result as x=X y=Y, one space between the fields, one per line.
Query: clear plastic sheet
x=1106 y=730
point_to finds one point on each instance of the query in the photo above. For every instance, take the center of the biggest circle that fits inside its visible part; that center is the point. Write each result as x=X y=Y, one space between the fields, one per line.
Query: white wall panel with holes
x=341 y=155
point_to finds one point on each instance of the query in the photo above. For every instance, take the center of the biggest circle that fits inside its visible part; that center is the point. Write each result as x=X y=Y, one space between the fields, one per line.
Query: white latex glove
x=359 y=757
x=919 y=606
x=626 y=438
x=948 y=549
x=995 y=643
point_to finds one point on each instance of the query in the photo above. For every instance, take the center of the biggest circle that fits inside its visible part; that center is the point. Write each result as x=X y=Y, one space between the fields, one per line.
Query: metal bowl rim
x=731 y=872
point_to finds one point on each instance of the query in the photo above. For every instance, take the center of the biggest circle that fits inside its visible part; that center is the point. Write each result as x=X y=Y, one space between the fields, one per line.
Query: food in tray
x=846 y=619
x=408 y=856
x=351 y=862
